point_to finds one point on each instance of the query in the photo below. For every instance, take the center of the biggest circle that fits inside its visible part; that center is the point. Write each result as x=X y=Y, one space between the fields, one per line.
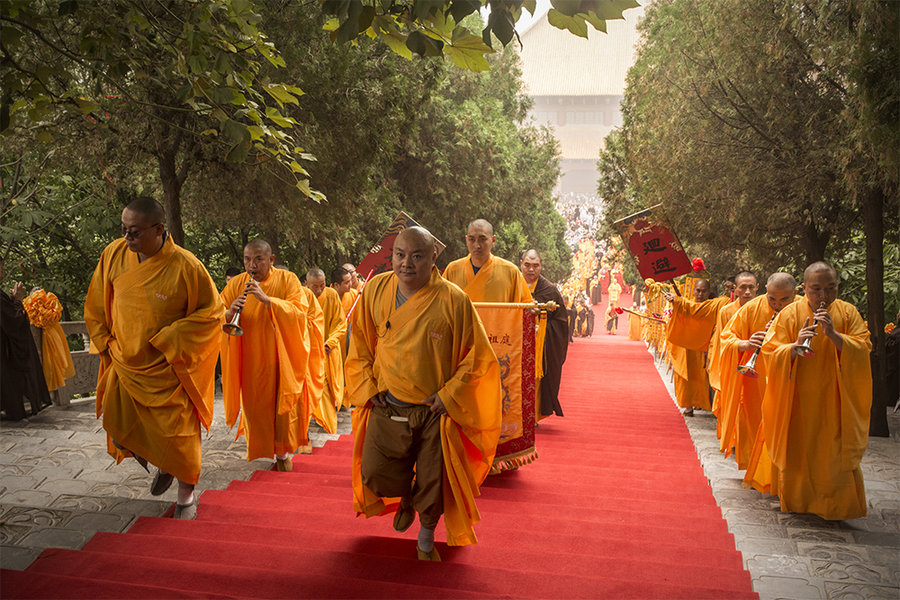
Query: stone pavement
x=58 y=486
x=797 y=556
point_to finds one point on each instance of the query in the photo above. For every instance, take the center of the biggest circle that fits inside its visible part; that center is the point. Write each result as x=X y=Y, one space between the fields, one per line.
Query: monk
x=740 y=398
x=614 y=290
x=265 y=371
x=154 y=315
x=744 y=289
x=342 y=283
x=688 y=336
x=355 y=280
x=815 y=411
x=419 y=371
x=634 y=323
x=556 y=341
x=335 y=332
x=483 y=276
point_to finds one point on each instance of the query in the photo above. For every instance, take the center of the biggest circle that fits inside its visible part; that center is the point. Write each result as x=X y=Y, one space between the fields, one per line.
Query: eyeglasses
x=134 y=234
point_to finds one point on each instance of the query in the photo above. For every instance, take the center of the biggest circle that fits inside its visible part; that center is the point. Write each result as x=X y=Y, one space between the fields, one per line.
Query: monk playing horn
x=815 y=411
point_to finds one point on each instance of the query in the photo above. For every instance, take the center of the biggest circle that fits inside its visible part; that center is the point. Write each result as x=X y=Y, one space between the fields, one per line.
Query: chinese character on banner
x=653 y=245
x=378 y=260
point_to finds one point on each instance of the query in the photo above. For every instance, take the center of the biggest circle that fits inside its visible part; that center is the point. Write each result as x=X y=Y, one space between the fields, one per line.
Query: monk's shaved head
x=419 y=236
x=819 y=267
x=315 y=280
x=781 y=281
x=315 y=273
x=481 y=224
x=532 y=254
x=148 y=209
x=744 y=275
x=259 y=244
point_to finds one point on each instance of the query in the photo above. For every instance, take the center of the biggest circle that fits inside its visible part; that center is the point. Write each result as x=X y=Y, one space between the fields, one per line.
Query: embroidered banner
x=511 y=331
x=378 y=260
x=653 y=245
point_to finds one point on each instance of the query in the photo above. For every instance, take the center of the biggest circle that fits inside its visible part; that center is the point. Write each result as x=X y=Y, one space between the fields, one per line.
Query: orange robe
x=688 y=335
x=634 y=327
x=815 y=413
x=435 y=344
x=159 y=320
x=264 y=371
x=335 y=337
x=44 y=311
x=497 y=280
x=315 y=385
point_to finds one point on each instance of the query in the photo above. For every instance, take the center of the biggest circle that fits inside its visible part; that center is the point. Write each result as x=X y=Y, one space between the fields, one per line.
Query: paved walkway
x=58 y=487
x=802 y=556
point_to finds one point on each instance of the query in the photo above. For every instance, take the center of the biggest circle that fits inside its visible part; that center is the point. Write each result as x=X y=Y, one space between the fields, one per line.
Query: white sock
x=284 y=456
x=185 y=493
x=426 y=539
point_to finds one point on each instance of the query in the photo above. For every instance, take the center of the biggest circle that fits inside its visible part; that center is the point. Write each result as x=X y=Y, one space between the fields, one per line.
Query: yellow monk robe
x=314 y=384
x=688 y=336
x=435 y=343
x=740 y=397
x=264 y=370
x=160 y=321
x=498 y=280
x=44 y=311
x=634 y=327
x=713 y=364
x=815 y=413
x=348 y=299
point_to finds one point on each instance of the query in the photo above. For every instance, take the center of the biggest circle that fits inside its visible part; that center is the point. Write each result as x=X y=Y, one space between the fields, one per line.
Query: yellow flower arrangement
x=43 y=309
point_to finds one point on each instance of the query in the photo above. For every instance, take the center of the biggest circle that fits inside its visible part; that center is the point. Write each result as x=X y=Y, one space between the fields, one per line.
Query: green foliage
x=86 y=60
x=749 y=123
x=439 y=27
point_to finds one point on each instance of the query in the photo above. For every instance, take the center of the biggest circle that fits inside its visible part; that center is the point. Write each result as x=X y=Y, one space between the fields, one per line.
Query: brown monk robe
x=556 y=342
x=688 y=335
x=483 y=276
x=155 y=316
x=816 y=408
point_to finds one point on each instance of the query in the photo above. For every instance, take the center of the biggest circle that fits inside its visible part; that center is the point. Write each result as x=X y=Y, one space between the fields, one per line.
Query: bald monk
x=355 y=280
x=740 y=399
x=745 y=288
x=556 y=341
x=483 y=276
x=688 y=334
x=335 y=332
x=419 y=368
x=154 y=315
x=264 y=371
x=815 y=410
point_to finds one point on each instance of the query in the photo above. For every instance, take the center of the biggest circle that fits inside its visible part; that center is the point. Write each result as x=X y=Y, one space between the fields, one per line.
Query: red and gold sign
x=653 y=245
x=378 y=260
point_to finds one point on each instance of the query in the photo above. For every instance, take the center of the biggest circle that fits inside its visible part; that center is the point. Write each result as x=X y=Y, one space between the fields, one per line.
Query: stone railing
x=87 y=365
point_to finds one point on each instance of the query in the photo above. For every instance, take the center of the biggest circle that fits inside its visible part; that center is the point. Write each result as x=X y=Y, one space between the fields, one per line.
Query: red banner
x=378 y=260
x=653 y=245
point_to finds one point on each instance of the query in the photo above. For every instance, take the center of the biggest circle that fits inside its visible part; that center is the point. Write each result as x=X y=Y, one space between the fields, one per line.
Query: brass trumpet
x=805 y=349
x=233 y=327
x=749 y=368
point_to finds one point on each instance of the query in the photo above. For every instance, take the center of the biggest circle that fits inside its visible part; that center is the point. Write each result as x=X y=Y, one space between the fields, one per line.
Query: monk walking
x=556 y=341
x=419 y=371
x=688 y=335
x=265 y=371
x=816 y=406
x=327 y=405
x=155 y=316
x=483 y=276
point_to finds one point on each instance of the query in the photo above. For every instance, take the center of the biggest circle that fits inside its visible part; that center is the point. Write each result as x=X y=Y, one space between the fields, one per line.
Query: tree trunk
x=171 y=194
x=873 y=225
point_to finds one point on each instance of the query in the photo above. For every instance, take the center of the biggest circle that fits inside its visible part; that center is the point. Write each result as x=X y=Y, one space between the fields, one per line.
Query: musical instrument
x=805 y=349
x=749 y=368
x=233 y=327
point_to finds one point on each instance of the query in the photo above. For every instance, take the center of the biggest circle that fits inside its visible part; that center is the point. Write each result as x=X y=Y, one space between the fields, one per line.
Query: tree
x=768 y=130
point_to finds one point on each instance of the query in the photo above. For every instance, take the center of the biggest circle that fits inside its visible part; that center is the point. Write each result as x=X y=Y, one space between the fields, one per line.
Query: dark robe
x=23 y=375
x=573 y=315
x=555 y=346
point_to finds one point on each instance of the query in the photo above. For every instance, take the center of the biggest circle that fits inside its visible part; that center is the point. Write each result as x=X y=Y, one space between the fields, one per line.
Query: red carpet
x=617 y=506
